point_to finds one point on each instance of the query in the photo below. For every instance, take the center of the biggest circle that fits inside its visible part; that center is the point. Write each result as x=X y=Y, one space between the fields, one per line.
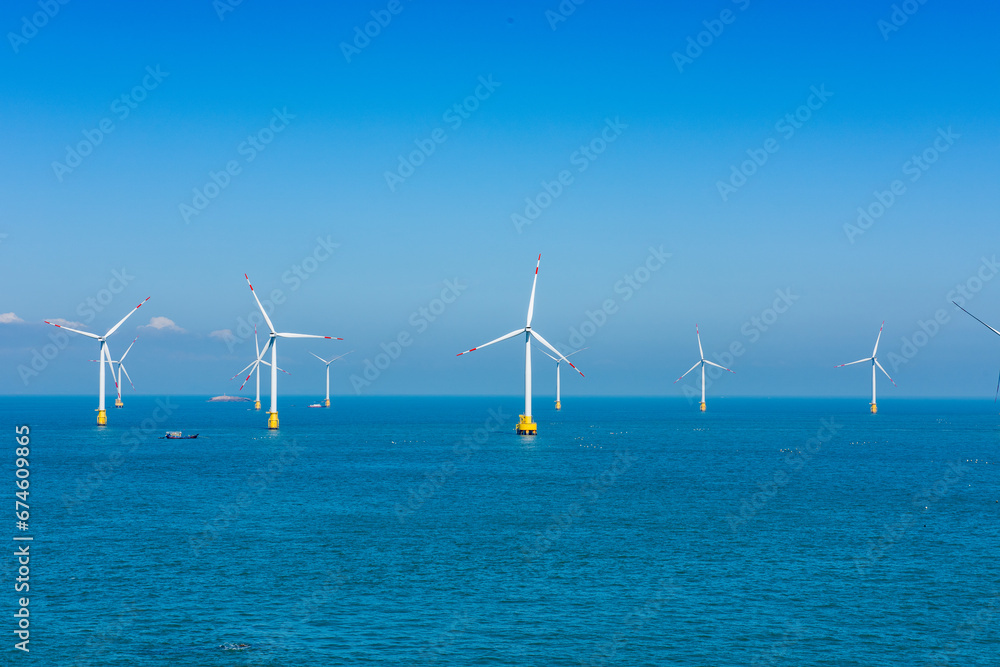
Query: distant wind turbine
x=559 y=361
x=874 y=360
x=121 y=369
x=702 y=363
x=272 y=344
x=525 y=425
x=254 y=367
x=994 y=331
x=327 y=402
x=102 y=415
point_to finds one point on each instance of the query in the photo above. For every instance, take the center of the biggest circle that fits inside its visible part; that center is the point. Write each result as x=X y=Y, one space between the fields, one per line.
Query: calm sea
x=413 y=531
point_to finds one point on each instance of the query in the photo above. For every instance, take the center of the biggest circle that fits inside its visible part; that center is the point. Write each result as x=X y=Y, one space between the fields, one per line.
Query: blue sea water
x=423 y=531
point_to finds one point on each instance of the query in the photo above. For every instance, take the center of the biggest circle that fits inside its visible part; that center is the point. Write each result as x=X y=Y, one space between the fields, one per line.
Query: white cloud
x=10 y=318
x=68 y=323
x=222 y=334
x=162 y=324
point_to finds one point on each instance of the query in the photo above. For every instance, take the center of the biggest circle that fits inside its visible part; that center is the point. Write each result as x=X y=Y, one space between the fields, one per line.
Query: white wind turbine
x=272 y=344
x=874 y=360
x=121 y=369
x=327 y=402
x=559 y=361
x=254 y=367
x=702 y=363
x=102 y=415
x=994 y=331
x=525 y=426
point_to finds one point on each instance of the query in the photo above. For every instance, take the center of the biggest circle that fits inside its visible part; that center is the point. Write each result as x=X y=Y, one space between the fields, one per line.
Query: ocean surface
x=423 y=531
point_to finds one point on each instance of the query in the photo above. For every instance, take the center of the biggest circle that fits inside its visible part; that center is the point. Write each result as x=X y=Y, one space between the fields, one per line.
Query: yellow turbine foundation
x=527 y=427
x=702 y=406
x=102 y=417
x=326 y=403
x=558 y=405
x=874 y=408
x=118 y=403
x=256 y=405
x=272 y=420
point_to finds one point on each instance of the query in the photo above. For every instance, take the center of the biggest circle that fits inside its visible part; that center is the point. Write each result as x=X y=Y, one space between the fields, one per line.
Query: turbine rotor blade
x=321 y=359
x=718 y=366
x=886 y=374
x=998 y=391
x=561 y=357
x=125 y=371
x=122 y=321
x=85 y=333
x=495 y=340
x=688 y=371
x=966 y=312
x=855 y=362
x=129 y=348
x=701 y=352
x=266 y=318
x=295 y=335
x=875 y=351
x=531 y=302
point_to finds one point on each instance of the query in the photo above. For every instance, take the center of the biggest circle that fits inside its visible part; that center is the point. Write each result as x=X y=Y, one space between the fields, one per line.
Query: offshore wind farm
x=781 y=176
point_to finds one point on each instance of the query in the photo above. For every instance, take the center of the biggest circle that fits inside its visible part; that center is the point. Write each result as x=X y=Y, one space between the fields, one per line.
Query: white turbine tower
x=254 y=367
x=874 y=360
x=702 y=363
x=121 y=369
x=525 y=426
x=272 y=343
x=327 y=402
x=102 y=415
x=559 y=361
x=994 y=331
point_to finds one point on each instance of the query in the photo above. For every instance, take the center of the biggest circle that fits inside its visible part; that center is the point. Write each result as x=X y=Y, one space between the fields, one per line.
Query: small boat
x=178 y=435
x=315 y=405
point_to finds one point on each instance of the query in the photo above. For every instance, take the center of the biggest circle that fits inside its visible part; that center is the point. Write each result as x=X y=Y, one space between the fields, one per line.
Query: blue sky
x=200 y=90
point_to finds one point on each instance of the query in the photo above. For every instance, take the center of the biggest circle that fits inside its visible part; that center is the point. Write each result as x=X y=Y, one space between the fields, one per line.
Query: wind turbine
x=874 y=360
x=559 y=361
x=254 y=366
x=525 y=426
x=702 y=363
x=327 y=402
x=121 y=368
x=994 y=331
x=272 y=343
x=102 y=415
